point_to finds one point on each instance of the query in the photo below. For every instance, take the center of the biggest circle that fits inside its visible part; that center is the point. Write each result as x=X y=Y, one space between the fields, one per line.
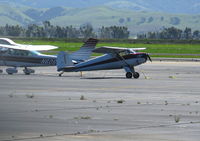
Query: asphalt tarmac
x=162 y=105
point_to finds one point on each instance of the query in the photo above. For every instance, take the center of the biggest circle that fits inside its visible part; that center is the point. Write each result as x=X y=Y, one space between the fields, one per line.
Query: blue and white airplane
x=113 y=58
x=19 y=55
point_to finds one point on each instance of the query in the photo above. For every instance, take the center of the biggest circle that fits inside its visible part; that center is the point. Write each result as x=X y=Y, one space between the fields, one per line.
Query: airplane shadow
x=64 y=76
x=102 y=78
x=57 y=75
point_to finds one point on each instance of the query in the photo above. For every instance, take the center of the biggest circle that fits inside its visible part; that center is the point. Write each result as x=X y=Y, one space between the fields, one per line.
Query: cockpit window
x=7 y=41
x=14 y=52
x=3 y=50
x=123 y=53
x=4 y=42
x=126 y=52
x=131 y=51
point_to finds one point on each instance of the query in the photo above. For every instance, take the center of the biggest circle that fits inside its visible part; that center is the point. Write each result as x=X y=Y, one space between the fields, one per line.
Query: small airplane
x=19 y=55
x=113 y=58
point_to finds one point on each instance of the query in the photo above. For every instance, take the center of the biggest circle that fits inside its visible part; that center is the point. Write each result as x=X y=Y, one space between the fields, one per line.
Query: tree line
x=47 y=30
x=172 y=33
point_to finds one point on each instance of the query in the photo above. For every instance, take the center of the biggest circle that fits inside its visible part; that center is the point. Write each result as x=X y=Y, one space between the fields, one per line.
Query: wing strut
x=121 y=58
x=130 y=70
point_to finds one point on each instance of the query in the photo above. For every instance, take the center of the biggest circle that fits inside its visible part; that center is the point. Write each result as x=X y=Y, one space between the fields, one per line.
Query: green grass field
x=175 y=50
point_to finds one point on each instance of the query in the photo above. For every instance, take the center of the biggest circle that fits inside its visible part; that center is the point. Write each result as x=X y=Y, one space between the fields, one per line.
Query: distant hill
x=167 y=6
x=138 y=20
x=13 y=15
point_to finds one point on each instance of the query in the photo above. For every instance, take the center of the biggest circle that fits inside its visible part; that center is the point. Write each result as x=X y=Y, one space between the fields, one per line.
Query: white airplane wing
x=30 y=47
x=37 y=47
x=107 y=49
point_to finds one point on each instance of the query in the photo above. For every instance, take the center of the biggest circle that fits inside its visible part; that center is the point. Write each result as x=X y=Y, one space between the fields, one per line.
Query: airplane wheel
x=28 y=71
x=129 y=75
x=136 y=75
x=1 y=71
x=60 y=75
x=10 y=71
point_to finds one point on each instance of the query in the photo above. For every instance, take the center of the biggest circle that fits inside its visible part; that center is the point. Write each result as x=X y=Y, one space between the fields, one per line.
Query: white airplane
x=114 y=58
x=19 y=55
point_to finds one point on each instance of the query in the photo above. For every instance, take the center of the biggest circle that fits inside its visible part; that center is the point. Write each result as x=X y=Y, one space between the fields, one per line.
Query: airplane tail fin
x=85 y=51
x=63 y=60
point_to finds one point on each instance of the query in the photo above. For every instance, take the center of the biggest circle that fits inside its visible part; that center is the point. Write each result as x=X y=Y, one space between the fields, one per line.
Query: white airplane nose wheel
x=129 y=75
x=136 y=75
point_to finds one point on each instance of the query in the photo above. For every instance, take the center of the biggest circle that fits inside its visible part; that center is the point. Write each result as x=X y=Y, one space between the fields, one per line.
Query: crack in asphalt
x=101 y=131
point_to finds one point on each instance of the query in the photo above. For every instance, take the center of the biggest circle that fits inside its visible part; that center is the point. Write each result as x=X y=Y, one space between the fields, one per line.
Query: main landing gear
x=135 y=75
x=10 y=71
x=131 y=73
x=28 y=71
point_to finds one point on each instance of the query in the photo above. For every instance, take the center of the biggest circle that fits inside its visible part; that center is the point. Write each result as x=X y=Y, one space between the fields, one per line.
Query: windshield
x=126 y=52
x=6 y=41
x=15 y=52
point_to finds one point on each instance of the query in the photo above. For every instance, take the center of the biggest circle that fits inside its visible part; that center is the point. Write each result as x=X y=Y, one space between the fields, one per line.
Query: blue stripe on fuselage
x=109 y=61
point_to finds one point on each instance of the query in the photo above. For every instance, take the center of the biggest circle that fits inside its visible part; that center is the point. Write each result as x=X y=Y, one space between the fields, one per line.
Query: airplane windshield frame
x=126 y=52
x=6 y=41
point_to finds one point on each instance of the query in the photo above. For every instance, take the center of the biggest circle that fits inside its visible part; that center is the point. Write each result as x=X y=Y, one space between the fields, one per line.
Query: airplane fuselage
x=20 y=55
x=108 y=61
x=27 y=61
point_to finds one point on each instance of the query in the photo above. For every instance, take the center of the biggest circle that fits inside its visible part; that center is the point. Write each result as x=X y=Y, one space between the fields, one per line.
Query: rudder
x=63 y=60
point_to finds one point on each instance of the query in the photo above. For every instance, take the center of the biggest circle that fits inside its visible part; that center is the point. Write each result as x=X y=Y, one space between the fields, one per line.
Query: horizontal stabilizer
x=68 y=69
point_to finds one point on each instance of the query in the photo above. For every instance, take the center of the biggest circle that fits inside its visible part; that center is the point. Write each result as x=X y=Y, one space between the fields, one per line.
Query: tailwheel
x=60 y=74
x=129 y=75
x=136 y=75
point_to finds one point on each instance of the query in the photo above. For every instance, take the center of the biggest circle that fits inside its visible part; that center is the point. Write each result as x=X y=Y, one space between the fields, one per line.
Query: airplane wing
x=38 y=47
x=30 y=47
x=107 y=49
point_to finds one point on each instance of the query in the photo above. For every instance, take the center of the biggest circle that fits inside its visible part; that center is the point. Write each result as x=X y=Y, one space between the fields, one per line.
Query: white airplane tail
x=63 y=60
